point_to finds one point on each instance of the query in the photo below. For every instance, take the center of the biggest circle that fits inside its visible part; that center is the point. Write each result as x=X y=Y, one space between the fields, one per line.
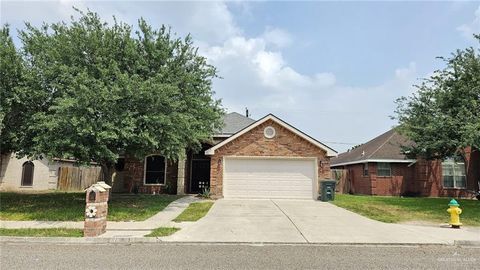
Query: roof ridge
x=387 y=140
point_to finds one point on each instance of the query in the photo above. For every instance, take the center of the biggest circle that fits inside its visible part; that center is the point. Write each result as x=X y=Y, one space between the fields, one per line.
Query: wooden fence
x=77 y=178
x=343 y=183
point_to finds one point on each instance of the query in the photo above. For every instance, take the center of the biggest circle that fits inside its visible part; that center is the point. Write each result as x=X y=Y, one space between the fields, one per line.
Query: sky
x=331 y=69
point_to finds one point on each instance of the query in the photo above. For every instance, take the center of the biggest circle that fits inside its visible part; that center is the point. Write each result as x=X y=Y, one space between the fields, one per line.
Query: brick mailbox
x=96 y=209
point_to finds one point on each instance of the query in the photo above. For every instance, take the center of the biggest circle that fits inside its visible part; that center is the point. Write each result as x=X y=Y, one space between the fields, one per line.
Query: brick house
x=267 y=158
x=379 y=167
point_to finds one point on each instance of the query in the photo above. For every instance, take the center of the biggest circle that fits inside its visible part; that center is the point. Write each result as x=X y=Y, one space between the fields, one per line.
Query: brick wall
x=95 y=226
x=359 y=184
x=134 y=174
x=429 y=179
x=253 y=143
x=424 y=178
x=400 y=181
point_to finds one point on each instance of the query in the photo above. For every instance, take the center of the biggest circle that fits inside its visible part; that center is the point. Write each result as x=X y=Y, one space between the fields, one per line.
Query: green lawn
x=60 y=232
x=194 y=212
x=396 y=209
x=71 y=206
x=162 y=231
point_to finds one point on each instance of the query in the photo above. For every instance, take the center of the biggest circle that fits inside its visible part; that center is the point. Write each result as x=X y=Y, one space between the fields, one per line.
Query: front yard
x=398 y=210
x=71 y=206
x=56 y=232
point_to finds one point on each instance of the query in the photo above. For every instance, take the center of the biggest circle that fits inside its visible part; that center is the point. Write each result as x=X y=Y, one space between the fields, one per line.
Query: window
x=383 y=169
x=27 y=173
x=155 y=168
x=269 y=132
x=365 y=169
x=453 y=172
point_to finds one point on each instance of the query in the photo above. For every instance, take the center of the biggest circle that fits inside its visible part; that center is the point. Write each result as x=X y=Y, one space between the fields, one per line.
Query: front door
x=200 y=178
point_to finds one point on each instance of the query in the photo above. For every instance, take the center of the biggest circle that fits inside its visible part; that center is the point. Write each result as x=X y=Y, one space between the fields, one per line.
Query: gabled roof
x=384 y=148
x=233 y=123
x=330 y=151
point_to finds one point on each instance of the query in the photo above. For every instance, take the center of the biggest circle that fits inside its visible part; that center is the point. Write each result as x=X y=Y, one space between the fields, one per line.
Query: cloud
x=471 y=28
x=207 y=21
x=278 y=37
x=254 y=71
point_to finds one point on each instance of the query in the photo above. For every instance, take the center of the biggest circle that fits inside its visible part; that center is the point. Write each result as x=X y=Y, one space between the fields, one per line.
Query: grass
x=162 y=231
x=57 y=232
x=396 y=209
x=71 y=206
x=194 y=212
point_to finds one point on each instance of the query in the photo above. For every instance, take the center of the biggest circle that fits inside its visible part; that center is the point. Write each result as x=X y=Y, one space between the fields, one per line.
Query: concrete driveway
x=305 y=221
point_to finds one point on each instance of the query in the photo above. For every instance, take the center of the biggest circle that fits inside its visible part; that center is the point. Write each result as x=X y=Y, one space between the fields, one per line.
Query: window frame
x=365 y=165
x=145 y=171
x=453 y=163
x=389 y=169
x=22 y=180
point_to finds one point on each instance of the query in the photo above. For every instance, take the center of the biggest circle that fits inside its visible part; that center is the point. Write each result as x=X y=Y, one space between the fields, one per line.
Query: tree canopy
x=106 y=89
x=12 y=102
x=443 y=116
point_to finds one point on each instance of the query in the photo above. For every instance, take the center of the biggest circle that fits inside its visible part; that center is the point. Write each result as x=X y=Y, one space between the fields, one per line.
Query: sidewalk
x=114 y=228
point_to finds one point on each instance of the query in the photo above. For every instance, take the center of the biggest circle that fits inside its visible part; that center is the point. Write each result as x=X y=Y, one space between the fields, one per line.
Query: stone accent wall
x=253 y=143
x=181 y=177
x=134 y=174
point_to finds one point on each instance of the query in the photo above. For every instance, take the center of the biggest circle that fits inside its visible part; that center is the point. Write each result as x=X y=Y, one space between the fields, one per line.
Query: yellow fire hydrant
x=454 y=212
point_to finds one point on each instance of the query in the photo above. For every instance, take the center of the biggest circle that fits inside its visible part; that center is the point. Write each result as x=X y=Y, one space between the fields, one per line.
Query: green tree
x=107 y=90
x=12 y=101
x=443 y=116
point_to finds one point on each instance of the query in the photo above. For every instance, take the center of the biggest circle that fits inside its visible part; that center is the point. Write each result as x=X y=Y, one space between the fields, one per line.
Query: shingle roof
x=384 y=147
x=233 y=123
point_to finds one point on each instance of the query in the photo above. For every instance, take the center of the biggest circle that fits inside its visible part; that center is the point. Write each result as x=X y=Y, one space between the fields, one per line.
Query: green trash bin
x=327 y=190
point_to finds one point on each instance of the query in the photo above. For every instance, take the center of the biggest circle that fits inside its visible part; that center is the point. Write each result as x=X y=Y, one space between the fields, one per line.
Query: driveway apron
x=241 y=221
x=306 y=221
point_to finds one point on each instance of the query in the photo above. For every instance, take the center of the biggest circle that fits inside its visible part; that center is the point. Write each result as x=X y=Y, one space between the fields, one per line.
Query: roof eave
x=373 y=160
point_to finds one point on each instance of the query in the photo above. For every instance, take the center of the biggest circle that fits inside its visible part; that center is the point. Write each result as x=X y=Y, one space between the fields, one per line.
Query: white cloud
x=254 y=71
x=278 y=37
x=471 y=28
x=207 y=21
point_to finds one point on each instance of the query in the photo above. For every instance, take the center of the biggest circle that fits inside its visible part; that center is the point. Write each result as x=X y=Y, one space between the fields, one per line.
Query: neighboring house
x=267 y=158
x=29 y=175
x=379 y=167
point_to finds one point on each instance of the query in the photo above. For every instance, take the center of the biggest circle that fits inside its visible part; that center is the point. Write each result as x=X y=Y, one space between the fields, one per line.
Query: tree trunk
x=107 y=173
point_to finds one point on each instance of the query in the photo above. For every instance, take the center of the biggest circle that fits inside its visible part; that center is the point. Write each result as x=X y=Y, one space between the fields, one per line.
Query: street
x=223 y=256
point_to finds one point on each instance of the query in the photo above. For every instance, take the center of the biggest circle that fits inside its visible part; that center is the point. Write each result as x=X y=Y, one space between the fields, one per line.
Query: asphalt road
x=216 y=256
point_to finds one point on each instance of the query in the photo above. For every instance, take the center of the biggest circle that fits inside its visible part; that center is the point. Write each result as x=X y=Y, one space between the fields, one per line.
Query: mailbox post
x=96 y=209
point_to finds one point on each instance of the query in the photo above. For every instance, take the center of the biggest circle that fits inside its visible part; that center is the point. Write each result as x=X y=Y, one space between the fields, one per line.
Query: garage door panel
x=269 y=178
x=272 y=194
x=269 y=188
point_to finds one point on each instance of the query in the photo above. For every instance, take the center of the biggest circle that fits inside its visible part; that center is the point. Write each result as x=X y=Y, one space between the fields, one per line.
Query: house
x=267 y=158
x=379 y=167
x=22 y=174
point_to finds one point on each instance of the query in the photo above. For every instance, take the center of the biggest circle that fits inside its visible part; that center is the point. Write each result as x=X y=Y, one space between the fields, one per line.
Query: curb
x=155 y=240
x=466 y=243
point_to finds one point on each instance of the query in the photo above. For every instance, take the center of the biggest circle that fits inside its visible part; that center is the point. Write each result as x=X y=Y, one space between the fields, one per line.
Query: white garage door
x=269 y=178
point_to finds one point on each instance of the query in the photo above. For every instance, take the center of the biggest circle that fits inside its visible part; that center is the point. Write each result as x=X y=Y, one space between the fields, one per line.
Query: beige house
x=29 y=175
